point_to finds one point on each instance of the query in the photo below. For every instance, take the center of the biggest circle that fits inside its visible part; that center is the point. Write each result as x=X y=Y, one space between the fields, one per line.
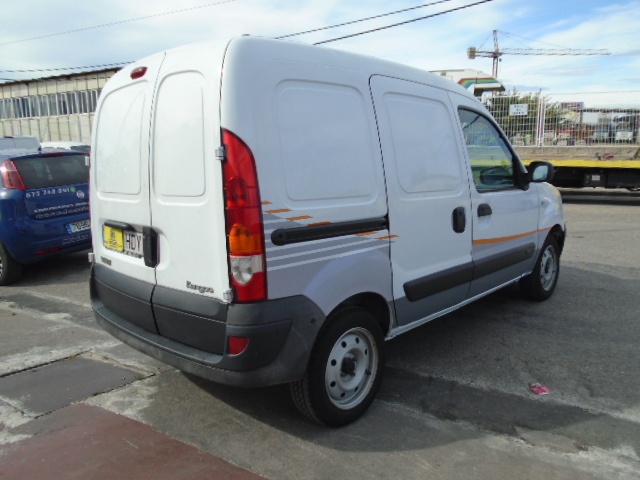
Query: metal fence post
x=541 y=120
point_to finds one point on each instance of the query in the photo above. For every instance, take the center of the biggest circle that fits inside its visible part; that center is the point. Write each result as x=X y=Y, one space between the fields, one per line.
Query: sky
x=136 y=29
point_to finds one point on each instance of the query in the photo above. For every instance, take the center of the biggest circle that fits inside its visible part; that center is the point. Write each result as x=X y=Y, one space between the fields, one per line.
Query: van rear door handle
x=459 y=220
x=484 y=210
x=150 y=246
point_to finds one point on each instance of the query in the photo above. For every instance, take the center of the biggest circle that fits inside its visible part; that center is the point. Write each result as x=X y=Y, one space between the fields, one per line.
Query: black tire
x=10 y=270
x=344 y=371
x=542 y=281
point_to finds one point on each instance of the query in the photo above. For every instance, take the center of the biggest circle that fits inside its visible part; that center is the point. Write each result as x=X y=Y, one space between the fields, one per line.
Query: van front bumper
x=281 y=332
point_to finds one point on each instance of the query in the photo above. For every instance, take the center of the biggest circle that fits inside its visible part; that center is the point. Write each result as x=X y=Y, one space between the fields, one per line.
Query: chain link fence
x=568 y=119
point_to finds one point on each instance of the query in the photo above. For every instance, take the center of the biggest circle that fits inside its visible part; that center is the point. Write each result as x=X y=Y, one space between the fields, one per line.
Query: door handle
x=459 y=220
x=484 y=210
x=150 y=246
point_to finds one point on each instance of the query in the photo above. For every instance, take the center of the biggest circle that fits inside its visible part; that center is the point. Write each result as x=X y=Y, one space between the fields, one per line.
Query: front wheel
x=541 y=283
x=345 y=369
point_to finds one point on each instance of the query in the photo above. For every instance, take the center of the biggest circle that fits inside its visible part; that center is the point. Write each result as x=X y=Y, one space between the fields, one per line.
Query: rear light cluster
x=243 y=213
x=11 y=176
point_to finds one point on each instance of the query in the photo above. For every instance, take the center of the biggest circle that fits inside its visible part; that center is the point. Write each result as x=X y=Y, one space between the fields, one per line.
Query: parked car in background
x=625 y=128
x=62 y=145
x=602 y=133
x=19 y=143
x=44 y=208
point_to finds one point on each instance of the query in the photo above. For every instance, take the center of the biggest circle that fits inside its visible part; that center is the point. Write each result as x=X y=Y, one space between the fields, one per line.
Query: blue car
x=44 y=208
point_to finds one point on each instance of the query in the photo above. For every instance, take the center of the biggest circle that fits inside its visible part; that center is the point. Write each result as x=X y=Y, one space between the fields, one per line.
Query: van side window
x=491 y=160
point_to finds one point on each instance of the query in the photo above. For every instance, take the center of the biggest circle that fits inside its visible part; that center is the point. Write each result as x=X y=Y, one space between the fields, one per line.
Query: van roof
x=306 y=53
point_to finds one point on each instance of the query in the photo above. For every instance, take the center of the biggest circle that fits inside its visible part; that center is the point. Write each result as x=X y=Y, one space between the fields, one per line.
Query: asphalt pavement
x=49 y=431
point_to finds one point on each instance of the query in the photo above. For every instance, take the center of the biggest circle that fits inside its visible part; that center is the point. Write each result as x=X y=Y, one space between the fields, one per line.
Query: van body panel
x=312 y=131
x=426 y=184
x=330 y=271
x=333 y=135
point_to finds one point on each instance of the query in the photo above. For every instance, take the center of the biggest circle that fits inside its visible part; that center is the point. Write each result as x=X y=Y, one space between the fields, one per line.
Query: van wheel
x=10 y=270
x=345 y=369
x=541 y=283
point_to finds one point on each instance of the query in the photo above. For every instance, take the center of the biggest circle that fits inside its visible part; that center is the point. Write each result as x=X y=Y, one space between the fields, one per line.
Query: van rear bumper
x=281 y=333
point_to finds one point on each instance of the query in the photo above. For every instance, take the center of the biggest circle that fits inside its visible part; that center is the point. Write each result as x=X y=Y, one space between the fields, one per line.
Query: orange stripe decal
x=488 y=241
x=386 y=238
x=281 y=210
x=319 y=223
x=266 y=203
x=304 y=217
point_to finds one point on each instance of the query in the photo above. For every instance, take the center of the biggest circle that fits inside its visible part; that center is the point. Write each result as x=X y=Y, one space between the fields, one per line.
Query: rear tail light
x=11 y=176
x=243 y=213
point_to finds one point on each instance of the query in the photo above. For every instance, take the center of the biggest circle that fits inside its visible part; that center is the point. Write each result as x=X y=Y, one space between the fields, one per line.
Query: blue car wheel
x=10 y=270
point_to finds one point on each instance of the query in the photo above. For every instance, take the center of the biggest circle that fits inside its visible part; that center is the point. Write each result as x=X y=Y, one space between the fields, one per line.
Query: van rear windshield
x=46 y=172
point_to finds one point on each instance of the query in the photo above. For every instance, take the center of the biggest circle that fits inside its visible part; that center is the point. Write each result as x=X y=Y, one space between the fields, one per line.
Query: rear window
x=45 y=172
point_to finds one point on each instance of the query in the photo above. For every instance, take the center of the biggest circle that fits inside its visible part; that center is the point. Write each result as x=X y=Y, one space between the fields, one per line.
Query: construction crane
x=496 y=53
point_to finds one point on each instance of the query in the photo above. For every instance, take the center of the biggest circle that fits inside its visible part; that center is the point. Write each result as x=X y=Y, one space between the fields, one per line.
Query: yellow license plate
x=113 y=238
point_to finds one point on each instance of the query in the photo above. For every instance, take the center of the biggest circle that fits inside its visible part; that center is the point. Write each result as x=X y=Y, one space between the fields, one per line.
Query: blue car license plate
x=80 y=226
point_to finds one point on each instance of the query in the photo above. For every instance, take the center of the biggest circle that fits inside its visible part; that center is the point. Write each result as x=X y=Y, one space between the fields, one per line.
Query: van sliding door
x=428 y=190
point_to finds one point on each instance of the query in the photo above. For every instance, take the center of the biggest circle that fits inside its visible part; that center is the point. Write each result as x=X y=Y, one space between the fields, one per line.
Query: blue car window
x=46 y=172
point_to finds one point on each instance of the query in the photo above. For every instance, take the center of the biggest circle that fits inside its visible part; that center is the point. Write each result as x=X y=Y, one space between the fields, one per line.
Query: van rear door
x=120 y=207
x=157 y=184
x=186 y=194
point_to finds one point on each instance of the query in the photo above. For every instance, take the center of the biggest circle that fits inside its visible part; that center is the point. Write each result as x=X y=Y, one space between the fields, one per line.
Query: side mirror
x=540 y=171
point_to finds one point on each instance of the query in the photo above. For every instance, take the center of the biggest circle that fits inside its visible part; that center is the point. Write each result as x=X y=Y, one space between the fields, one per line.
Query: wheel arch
x=560 y=236
x=373 y=303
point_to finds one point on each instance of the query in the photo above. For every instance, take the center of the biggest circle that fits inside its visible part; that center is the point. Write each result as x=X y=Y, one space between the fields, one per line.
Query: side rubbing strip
x=438 y=282
x=286 y=236
x=502 y=260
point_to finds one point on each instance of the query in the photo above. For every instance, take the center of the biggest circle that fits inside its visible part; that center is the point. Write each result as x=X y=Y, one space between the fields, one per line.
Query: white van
x=267 y=212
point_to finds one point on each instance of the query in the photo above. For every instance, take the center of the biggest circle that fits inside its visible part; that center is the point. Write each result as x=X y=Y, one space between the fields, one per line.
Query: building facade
x=52 y=108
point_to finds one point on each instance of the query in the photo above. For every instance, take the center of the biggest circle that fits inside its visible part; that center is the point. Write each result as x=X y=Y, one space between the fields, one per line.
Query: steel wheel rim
x=548 y=268
x=351 y=368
